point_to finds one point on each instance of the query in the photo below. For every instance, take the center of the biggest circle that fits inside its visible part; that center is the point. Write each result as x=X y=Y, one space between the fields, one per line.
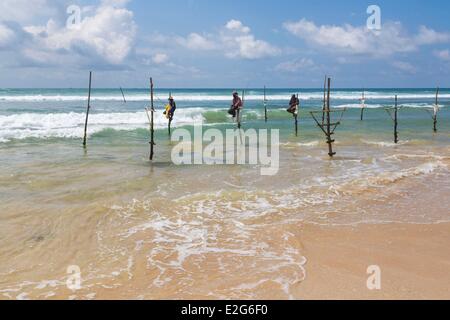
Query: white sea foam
x=138 y=97
x=309 y=144
x=363 y=183
x=358 y=106
x=206 y=225
x=423 y=169
x=400 y=157
x=385 y=143
x=301 y=144
x=71 y=125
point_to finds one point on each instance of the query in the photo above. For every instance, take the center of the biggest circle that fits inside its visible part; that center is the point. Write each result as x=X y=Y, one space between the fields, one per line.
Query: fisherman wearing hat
x=237 y=104
x=170 y=108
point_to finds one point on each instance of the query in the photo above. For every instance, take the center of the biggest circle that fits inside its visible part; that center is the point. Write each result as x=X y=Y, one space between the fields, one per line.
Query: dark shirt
x=294 y=102
x=173 y=107
x=237 y=102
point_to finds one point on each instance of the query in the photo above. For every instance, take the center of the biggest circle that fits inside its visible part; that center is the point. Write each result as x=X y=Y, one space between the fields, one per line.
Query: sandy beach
x=414 y=261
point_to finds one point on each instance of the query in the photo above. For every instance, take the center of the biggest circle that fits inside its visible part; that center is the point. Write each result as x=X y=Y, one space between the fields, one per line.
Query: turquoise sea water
x=155 y=230
x=48 y=114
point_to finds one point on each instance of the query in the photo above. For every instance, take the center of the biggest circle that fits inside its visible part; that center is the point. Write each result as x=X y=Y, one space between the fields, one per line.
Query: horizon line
x=223 y=88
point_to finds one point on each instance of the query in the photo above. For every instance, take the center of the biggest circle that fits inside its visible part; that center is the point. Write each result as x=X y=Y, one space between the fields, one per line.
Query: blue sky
x=204 y=43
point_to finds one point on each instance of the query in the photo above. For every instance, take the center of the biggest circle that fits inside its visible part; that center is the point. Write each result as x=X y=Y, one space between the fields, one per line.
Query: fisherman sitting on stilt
x=293 y=105
x=170 y=109
x=236 y=105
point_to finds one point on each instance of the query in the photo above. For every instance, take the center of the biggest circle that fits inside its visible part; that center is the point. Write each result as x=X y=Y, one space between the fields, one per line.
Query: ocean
x=153 y=230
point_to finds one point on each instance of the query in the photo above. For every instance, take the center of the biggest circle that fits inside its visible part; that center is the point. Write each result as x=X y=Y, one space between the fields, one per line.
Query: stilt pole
x=296 y=117
x=435 y=111
x=326 y=126
x=363 y=105
x=396 y=120
x=170 y=117
x=324 y=100
x=329 y=133
x=123 y=95
x=87 y=110
x=151 y=121
x=265 y=104
x=238 y=115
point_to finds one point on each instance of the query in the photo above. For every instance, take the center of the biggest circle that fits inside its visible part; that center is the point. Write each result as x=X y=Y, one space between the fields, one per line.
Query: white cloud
x=248 y=47
x=428 y=36
x=443 y=54
x=20 y=11
x=389 y=40
x=240 y=43
x=115 y=3
x=235 y=39
x=195 y=41
x=105 y=34
x=295 y=65
x=160 y=58
x=404 y=66
x=109 y=32
x=235 y=25
x=7 y=36
x=160 y=63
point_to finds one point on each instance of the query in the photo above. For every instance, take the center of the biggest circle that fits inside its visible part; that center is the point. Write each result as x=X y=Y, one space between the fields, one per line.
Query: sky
x=224 y=44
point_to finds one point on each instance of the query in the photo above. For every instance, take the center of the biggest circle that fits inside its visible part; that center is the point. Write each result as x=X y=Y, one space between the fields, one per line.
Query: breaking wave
x=71 y=125
x=144 y=97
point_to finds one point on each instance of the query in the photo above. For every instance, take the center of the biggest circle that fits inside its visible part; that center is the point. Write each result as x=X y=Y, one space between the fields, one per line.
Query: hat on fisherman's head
x=170 y=98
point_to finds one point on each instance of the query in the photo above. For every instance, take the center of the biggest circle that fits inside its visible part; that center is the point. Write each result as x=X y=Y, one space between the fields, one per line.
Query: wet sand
x=414 y=261
x=205 y=232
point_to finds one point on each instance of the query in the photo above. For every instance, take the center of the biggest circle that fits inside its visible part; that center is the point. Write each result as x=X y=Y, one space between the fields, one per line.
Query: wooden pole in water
x=329 y=133
x=265 y=104
x=87 y=110
x=296 y=116
x=170 y=116
x=170 y=125
x=396 y=120
x=326 y=126
x=363 y=105
x=324 y=99
x=123 y=96
x=152 y=128
x=238 y=116
x=435 y=111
